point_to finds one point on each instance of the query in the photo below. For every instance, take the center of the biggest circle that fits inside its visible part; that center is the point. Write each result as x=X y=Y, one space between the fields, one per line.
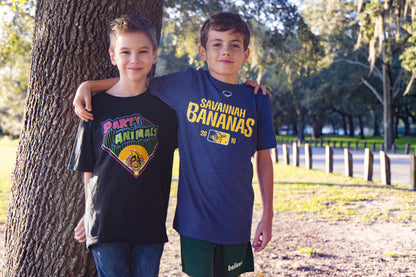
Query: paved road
x=399 y=163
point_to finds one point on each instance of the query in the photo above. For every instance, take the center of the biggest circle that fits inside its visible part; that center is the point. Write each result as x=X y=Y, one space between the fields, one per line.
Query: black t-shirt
x=129 y=148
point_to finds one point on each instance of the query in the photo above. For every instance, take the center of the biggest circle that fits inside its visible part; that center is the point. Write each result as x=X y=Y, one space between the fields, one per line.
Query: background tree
x=46 y=201
x=382 y=28
x=16 y=29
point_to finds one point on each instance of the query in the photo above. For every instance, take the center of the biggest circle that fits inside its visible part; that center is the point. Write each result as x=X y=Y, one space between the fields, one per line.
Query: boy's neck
x=127 y=88
x=224 y=78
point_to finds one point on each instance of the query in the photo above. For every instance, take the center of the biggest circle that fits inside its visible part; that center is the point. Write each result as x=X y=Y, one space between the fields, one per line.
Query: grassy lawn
x=314 y=193
x=7 y=160
x=307 y=193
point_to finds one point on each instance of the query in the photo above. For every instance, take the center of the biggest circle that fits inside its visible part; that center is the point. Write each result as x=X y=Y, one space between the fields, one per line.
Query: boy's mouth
x=135 y=68
x=225 y=61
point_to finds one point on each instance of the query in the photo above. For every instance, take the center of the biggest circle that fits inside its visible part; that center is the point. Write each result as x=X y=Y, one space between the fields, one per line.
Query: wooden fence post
x=413 y=172
x=329 y=158
x=286 y=159
x=368 y=165
x=373 y=146
x=364 y=145
x=348 y=162
x=348 y=144
x=275 y=157
x=385 y=168
x=407 y=148
x=340 y=144
x=308 y=156
x=295 y=153
x=393 y=147
x=321 y=142
x=356 y=145
x=334 y=144
x=382 y=146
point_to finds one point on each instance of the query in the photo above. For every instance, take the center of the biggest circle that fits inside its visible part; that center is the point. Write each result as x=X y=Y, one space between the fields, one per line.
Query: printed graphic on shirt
x=222 y=116
x=218 y=137
x=131 y=140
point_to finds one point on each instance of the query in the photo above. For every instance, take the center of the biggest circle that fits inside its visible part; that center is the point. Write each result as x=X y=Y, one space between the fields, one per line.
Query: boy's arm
x=82 y=100
x=265 y=177
x=80 y=234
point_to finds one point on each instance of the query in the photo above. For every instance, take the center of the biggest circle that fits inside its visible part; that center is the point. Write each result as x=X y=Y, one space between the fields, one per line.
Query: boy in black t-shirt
x=126 y=154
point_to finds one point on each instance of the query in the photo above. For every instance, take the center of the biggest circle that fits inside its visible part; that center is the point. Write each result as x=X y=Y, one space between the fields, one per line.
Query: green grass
x=310 y=251
x=8 y=156
x=314 y=193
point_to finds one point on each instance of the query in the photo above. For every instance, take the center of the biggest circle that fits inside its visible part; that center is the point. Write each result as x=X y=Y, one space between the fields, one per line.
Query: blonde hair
x=131 y=23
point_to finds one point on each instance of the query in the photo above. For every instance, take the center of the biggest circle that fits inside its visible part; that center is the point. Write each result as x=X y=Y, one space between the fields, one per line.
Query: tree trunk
x=344 y=124
x=301 y=129
x=376 y=126
x=316 y=127
x=388 y=107
x=70 y=45
x=361 y=126
x=351 y=127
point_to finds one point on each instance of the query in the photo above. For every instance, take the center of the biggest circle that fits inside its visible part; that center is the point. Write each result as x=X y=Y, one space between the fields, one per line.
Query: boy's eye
x=236 y=45
x=124 y=52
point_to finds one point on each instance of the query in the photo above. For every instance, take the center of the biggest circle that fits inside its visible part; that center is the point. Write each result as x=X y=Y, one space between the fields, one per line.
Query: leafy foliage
x=308 y=59
x=15 y=47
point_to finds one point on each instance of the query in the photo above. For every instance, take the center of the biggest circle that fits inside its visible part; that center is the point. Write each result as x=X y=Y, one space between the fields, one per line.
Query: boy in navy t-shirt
x=221 y=125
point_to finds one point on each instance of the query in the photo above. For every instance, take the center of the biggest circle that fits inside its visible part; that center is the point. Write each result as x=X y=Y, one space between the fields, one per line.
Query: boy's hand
x=257 y=87
x=263 y=235
x=82 y=102
x=80 y=231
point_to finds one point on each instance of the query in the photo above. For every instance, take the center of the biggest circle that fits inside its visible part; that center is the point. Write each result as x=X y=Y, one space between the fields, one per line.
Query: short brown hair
x=222 y=22
x=131 y=23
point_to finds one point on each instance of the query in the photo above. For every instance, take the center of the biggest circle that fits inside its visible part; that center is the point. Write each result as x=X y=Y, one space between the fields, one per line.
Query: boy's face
x=225 y=54
x=133 y=55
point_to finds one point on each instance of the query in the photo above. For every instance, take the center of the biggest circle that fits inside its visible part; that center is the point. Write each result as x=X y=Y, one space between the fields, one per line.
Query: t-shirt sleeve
x=266 y=138
x=83 y=157
x=172 y=88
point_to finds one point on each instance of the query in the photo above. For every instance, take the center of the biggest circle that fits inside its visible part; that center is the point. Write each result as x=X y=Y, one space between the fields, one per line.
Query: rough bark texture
x=69 y=46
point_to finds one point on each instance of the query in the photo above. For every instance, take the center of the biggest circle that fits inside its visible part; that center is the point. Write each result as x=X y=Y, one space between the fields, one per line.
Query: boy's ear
x=112 y=56
x=246 y=55
x=202 y=53
x=155 y=55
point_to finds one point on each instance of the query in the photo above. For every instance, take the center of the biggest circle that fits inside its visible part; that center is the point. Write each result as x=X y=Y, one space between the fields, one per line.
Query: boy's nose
x=134 y=59
x=226 y=52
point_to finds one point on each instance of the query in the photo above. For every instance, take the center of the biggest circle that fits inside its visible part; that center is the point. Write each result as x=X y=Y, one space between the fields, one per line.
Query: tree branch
x=373 y=90
x=375 y=71
x=409 y=85
x=397 y=82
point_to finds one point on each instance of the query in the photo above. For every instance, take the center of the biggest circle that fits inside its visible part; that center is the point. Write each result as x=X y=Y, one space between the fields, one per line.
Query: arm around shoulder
x=82 y=99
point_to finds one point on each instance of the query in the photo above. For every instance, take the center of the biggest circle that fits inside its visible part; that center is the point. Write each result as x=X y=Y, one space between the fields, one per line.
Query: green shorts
x=204 y=259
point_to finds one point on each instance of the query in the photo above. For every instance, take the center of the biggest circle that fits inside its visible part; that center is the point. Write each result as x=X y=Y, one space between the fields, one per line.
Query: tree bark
x=387 y=106
x=70 y=45
x=351 y=126
x=316 y=127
